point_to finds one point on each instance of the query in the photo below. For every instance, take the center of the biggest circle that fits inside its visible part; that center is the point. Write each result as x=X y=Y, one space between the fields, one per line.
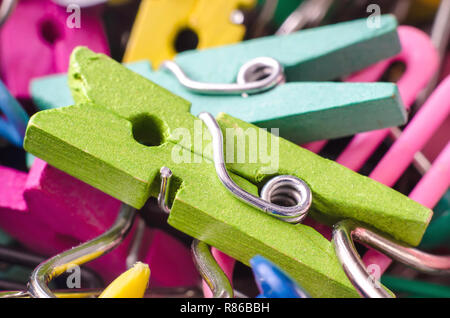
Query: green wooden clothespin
x=124 y=128
x=306 y=111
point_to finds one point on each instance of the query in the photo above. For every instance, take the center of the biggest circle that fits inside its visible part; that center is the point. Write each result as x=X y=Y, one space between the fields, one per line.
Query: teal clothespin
x=438 y=232
x=305 y=111
x=415 y=288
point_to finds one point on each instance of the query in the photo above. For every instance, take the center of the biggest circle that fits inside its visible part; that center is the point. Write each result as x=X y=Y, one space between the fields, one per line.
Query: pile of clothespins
x=224 y=148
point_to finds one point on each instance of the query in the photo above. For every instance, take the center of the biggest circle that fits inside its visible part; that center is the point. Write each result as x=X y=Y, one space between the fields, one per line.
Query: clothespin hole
x=149 y=130
x=186 y=39
x=50 y=31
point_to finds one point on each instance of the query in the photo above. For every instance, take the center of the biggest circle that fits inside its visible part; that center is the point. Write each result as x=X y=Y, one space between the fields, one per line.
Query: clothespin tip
x=131 y=284
x=273 y=282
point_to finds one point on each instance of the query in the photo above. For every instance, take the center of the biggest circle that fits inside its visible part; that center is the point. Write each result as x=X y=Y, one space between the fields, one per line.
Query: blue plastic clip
x=273 y=282
x=15 y=119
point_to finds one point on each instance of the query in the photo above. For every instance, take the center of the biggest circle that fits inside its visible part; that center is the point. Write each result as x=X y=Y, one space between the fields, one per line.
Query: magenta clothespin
x=31 y=229
x=50 y=211
x=16 y=220
x=170 y=261
x=39 y=36
x=89 y=212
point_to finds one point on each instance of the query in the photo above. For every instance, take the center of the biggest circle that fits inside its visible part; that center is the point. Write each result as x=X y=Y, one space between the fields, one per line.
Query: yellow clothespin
x=131 y=284
x=162 y=24
x=118 y=2
x=422 y=10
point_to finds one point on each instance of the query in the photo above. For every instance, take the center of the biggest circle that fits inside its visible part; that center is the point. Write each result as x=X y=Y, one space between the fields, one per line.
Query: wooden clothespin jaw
x=124 y=128
x=168 y=23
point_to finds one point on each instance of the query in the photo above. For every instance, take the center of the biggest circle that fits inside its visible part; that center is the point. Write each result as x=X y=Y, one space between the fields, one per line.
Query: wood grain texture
x=53 y=91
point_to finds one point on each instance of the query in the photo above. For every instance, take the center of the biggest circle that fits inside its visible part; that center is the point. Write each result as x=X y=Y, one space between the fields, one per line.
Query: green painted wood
x=52 y=91
x=304 y=111
x=96 y=141
x=338 y=192
x=156 y=116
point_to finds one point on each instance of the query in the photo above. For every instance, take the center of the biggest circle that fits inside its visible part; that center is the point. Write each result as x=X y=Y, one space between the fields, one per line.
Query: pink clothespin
x=49 y=212
x=436 y=181
x=16 y=219
x=439 y=139
x=446 y=66
x=39 y=36
x=421 y=61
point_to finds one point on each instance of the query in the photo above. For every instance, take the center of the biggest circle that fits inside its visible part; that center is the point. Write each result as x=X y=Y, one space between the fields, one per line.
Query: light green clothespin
x=124 y=128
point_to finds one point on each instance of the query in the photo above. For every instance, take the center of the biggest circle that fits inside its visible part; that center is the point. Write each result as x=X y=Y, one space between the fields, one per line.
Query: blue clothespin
x=273 y=282
x=14 y=123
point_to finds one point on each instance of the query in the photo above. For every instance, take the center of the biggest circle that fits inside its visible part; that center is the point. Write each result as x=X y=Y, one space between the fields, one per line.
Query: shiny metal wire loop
x=255 y=76
x=210 y=271
x=286 y=190
x=206 y=265
x=46 y=271
x=297 y=190
x=166 y=174
x=80 y=3
x=6 y=7
x=343 y=234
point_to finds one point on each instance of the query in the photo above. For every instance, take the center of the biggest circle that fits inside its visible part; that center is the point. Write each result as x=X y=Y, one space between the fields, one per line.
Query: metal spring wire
x=343 y=234
x=245 y=83
x=206 y=265
x=6 y=9
x=210 y=271
x=46 y=271
x=276 y=186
